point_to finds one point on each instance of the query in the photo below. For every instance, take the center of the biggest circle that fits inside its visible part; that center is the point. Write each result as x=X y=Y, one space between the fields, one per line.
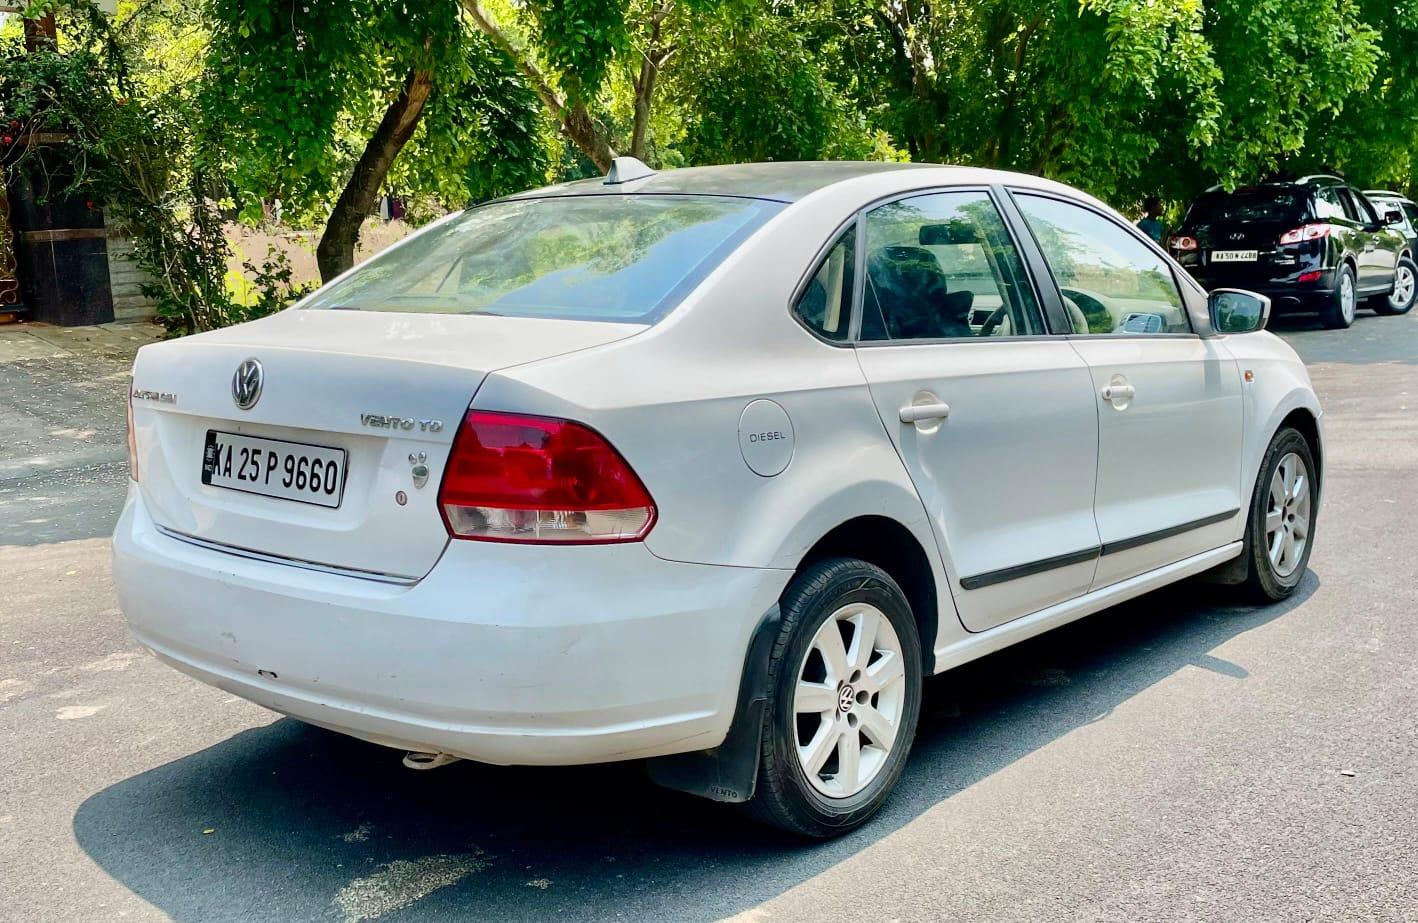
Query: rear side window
x=1110 y=281
x=1328 y=205
x=825 y=305
x=628 y=258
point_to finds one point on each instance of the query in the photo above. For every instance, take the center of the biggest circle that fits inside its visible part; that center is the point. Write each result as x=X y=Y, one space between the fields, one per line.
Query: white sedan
x=706 y=467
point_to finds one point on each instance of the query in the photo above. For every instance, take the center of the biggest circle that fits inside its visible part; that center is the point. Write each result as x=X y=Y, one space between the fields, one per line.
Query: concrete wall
x=125 y=277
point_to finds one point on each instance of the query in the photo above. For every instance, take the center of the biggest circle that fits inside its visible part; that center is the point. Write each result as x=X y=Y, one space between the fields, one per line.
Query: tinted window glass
x=1351 y=211
x=943 y=266
x=1111 y=282
x=1279 y=203
x=611 y=258
x=1411 y=211
x=1366 y=211
x=1328 y=205
x=826 y=303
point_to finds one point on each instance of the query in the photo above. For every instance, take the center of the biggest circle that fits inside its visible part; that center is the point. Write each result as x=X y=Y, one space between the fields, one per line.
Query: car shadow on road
x=307 y=824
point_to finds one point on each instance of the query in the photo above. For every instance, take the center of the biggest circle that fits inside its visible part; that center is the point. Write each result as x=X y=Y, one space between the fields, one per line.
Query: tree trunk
x=335 y=253
x=576 y=120
x=651 y=60
x=644 y=91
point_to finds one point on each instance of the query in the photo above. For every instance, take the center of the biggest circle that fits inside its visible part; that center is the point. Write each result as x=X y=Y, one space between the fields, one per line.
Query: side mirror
x=1393 y=216
x=1235 y=310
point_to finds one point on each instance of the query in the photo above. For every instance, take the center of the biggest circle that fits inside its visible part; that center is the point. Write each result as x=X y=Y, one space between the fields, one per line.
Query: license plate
x=274 y=468
x=1234 y=256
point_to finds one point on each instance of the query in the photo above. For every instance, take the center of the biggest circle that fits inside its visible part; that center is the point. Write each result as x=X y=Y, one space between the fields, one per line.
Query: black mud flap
x=729 y=772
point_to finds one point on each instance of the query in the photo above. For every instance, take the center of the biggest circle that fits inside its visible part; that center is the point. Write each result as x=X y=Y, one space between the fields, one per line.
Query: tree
x=313 y=102
x=577 y=38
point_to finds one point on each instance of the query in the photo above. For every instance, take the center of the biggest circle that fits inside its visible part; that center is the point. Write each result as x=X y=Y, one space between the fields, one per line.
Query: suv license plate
x=274 y=468
x=1234 y=256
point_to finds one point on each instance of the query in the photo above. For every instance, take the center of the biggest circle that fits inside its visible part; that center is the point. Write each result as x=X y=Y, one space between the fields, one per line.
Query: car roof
x=780 y=181
x=1386 y=194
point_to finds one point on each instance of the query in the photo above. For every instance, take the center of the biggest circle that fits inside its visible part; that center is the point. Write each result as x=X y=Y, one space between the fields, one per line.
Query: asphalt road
x=1177 y=758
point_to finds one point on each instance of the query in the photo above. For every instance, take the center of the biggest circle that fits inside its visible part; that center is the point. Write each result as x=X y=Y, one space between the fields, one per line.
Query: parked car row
x=1313 y=245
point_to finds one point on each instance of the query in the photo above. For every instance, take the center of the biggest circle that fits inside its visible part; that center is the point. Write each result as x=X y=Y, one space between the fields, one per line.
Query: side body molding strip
x=990 y=578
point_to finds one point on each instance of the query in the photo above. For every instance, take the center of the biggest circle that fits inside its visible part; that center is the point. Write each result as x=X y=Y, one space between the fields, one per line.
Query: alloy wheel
x=848 y=704
x=1287 y=515
x=1403 y=286
x=1348 y=304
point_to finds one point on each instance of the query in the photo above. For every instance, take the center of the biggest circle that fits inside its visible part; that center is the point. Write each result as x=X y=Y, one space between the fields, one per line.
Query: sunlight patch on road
x=13 y=688
x=118 y=660
x=73 y=712
x=403 y=883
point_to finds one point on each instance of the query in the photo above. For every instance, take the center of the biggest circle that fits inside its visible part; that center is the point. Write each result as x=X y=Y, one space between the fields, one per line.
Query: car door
x=1410 y=212
x=993 y=419
x=1168 y=403
x=1376 y=253
x=1389 y=240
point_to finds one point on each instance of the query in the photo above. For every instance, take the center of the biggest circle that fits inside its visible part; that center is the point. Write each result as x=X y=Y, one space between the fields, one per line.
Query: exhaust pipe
x=414 y=759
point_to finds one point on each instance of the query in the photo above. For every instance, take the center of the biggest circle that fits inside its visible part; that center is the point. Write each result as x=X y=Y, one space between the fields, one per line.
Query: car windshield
x=626 y=258
x=1247 y=205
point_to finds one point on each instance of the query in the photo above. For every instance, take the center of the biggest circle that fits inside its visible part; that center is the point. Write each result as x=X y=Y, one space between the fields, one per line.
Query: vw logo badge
x=246 y=384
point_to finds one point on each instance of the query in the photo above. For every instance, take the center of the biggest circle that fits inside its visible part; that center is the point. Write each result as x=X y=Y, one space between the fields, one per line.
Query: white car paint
x=370 y=620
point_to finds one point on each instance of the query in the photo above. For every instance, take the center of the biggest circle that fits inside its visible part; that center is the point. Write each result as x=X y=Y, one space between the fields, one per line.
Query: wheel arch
x=886 y=543
x=729 y=772
x=1307 y=424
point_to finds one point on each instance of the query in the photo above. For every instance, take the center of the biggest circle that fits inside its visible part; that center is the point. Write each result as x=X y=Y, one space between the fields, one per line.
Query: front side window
x=1351 y=210
x=1365 y=210
x=943 y=266
x=627 y=258
x=825 y=306
x=1110 y=281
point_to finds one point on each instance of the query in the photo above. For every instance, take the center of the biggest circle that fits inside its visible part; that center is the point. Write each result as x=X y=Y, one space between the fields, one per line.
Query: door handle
x=1122 y=392
x=916 y=413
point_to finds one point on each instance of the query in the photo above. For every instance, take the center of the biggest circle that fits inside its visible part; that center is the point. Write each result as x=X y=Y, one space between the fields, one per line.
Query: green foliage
x=294 y=89
x=130 y=152
x=750 y=88
x=272 y=283
x=279 y=99
x=482 y=134
x=579 y=38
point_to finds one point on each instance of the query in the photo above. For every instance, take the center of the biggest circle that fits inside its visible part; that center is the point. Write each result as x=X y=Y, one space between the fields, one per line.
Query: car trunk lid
x=386 y=390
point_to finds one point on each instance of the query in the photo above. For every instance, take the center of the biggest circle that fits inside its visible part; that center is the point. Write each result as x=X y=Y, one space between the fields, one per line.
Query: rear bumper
x=1286 y=292
x=502 y=654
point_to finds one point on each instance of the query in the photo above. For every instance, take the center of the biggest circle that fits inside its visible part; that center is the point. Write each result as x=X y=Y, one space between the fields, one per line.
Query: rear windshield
x=628 y=258
x=1247 y=205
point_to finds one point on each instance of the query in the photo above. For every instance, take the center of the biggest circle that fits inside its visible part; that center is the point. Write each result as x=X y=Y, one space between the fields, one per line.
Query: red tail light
x=516 y=478
x=1305 y=232
x=132 y=442
x=1183 y=242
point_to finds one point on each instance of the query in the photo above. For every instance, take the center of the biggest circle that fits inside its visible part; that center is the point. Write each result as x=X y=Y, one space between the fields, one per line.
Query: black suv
x=1313 y=244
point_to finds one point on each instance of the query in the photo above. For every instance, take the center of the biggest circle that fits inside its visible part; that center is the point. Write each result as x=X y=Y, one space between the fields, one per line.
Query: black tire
x=1263 y=583
x=784 y=797
x=1332 y=313
x=1383 y=305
